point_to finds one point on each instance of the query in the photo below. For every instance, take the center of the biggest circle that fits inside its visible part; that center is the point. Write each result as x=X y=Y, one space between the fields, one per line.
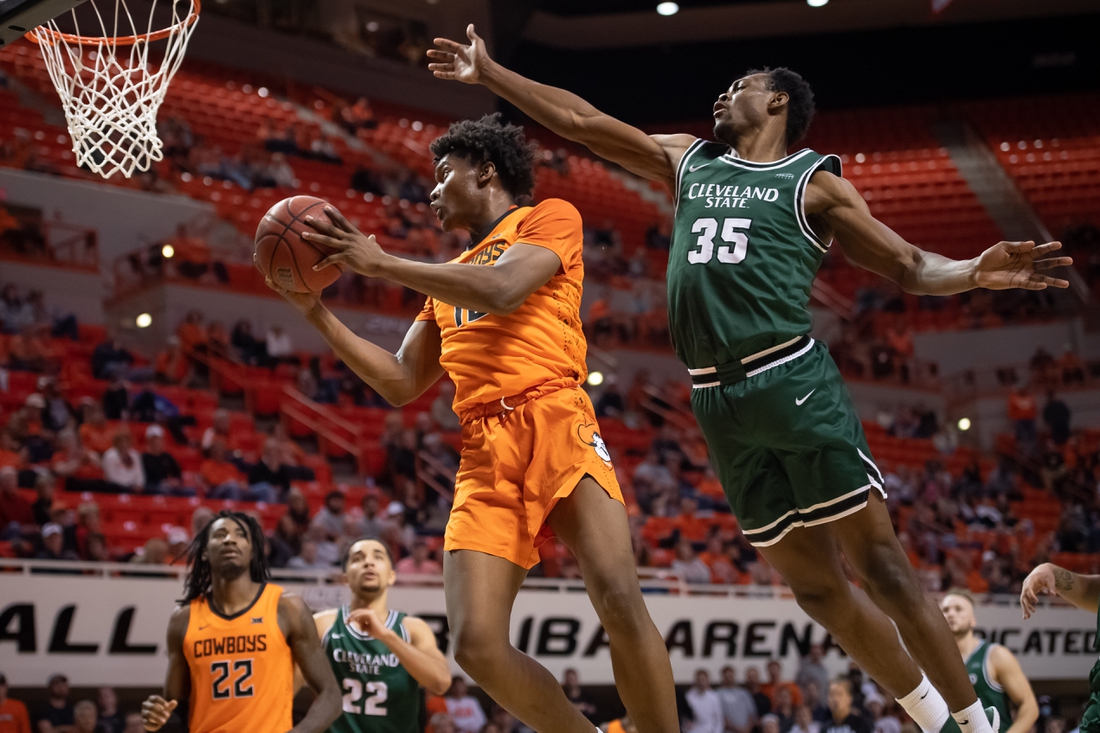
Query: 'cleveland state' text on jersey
x=743 y=256
x=380 y=696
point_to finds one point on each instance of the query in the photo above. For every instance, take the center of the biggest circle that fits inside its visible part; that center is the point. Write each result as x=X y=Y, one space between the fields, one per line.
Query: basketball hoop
x=111 y=97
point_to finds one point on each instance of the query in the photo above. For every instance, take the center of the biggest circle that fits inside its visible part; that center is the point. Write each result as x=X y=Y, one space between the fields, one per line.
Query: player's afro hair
x=490 y=140
x=800 y=104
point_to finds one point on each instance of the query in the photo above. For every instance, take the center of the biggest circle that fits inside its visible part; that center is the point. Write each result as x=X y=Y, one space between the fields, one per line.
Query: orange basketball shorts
x=516 y=465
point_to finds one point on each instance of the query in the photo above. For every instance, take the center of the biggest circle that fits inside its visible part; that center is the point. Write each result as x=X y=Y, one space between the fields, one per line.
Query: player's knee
x=822 y=600
x=619 y=605
x=476 y=649
x=887 y=575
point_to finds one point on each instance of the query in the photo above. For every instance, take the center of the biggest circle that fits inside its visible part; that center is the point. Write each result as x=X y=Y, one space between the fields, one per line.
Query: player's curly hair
x=200 y=576
x=800 y=103
x=491 y=140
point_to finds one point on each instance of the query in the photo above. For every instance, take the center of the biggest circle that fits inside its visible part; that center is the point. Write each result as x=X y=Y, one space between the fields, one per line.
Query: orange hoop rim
x=52 y=35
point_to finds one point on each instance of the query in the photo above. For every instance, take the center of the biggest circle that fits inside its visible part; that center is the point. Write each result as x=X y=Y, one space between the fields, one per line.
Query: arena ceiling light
x=668 y=9
x=168 y=251
x=964 y=424
x=817 y=3
x=595 y=379
x=143 y=321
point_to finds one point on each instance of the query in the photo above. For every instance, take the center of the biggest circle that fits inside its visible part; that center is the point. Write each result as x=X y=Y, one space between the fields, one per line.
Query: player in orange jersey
x=234 y=640
x=503 y=320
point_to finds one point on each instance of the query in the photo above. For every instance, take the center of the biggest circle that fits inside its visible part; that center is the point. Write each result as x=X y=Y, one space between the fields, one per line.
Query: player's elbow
x=504 y=299
x=440 y=683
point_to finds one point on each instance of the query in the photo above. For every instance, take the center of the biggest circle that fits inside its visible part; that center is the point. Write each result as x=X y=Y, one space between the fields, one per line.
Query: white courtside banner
x=111 y=631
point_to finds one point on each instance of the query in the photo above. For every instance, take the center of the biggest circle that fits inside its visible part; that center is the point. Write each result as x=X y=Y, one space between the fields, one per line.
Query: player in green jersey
x=380 y=657
x=993 y=670
x=1082 y=591
x=750 y=229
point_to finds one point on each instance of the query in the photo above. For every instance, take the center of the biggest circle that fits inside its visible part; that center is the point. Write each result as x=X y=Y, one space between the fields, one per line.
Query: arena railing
x=63 y=245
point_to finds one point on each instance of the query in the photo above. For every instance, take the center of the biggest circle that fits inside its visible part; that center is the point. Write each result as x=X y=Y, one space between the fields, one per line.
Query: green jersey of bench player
x=751 y=226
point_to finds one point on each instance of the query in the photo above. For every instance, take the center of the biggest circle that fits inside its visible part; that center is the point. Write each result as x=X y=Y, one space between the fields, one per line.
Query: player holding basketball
x=234 y=640
x=381 y=657
x=1082 y=591
x=751 y=227
x=503 y=320
x=993 y=670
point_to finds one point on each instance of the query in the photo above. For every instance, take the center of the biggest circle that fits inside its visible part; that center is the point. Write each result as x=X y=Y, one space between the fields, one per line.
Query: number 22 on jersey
x=734 y=243
x=377 y=692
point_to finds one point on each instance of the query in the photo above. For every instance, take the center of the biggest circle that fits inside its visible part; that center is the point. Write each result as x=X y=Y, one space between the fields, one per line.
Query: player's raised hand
x=1039 y=581
x=452 y=60
x=1020 y=265
x=358 y=251
x=155 y=712
x=303 y=302
x=367 y=620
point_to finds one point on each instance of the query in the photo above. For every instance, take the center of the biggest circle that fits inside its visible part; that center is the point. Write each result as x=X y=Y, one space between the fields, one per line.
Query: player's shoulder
x=553 y=208
x=325 y=620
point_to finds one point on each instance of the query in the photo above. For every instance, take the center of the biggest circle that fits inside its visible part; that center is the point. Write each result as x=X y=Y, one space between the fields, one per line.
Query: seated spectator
x=13 y=712
x=225 y=481
x=218 y=431
x=610 y=402
x=25 y=428
x=844 y=718
x=110 y=719
x=358 y=116
x=57 y=711
x=53 y=544
x=58 y=413
x=122 y=465
x=330 y=518
x=217 y=341
x=419 y=562
x=15 y=314
x=191 y=334
x=28 y=351
x=172 y=365
x=116 y=401
x=270 y=475
x=465 y=709
x=804 y=721
x=16 y=513
x=162 y=471
x=293 y=524
x=309 y=558
x=80 y=467
x=280 y=348
x=249 y=349
x=11 y=454
x=776 y=683
x=1073 y=369
x=43 y=506
x=84 y=717
x=95 y=434
x=153 y=552
x=442 y=410
x=111 y=359
x=688 y=566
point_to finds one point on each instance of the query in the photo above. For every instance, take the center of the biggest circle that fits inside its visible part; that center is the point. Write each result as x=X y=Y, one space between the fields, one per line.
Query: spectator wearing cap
x=56 y=714
x=122 y=465
x=84 y=717
x=13 y=713
x=53 y=544
x=419 y=562
x=330 y=518
x=162 y=471
x=16 y=513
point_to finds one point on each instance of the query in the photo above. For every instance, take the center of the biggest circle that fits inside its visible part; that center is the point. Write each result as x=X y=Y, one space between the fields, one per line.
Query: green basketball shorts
x=785 y=440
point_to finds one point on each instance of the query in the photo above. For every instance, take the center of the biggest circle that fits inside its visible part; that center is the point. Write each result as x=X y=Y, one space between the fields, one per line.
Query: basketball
x=284 y=256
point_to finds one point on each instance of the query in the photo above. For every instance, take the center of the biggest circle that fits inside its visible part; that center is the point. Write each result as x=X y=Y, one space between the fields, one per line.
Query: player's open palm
x=156 y=711
x=358 y=251
x=452 y=60
x=303 y=302
x=1020 y=265
x=1039 y=582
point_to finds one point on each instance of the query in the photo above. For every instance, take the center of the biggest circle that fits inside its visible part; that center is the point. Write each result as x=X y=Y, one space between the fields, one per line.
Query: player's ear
x=485 y=173
x=779 y=100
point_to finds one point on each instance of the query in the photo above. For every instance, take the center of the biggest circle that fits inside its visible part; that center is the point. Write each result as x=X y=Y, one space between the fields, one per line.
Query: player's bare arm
x=835 y=208
x=323 y=621
x=651 y=156
x=420 y=656
x=1005 y=671
x=301 y=635
x=156 y=710
x=499 y=289
x=399 y=378
x=1082 y=591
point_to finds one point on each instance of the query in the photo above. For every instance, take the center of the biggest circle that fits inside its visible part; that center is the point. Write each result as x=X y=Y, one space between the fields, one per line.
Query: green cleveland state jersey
x=989 y=692
x=379 y=695
x=1090 y=719
x=743 y=257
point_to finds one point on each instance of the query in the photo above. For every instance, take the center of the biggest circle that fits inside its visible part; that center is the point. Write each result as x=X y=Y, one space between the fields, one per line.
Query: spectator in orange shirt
x=222 y=478
x=76 y=464
x=172 y=364
x=10 y=452
x=1022 y=411
x=191 y=335
x=1073 y=370
x=13 y=714
x=95 y=434
x=775 y=682
x=27 y=351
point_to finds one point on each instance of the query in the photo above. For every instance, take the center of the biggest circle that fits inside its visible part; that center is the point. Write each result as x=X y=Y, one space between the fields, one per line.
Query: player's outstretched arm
x=400 y=378
x=310 y=658
x=874 y=246
x=156 y=710
x=651 y=156
x=1082 y=591
x=420 y=656
x=1007 y=673
x=499 y=289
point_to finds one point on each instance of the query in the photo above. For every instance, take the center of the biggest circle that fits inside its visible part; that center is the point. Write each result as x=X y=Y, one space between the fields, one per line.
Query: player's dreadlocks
x=199 y=577
x=490 y=140
x=800 y=105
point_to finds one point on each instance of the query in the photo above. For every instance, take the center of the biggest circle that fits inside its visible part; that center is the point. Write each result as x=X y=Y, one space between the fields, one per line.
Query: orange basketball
x=284 y=256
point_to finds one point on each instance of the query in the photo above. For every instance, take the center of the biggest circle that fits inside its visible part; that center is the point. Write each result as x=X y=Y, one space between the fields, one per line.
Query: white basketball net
x=108 y=89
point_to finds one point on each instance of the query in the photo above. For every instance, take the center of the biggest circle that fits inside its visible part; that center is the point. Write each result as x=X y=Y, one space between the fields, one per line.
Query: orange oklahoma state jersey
x=491 y=357
x=242 y=670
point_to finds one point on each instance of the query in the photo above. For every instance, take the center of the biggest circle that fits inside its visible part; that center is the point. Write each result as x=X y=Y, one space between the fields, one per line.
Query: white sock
x=927 y=707
x=973 y=720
